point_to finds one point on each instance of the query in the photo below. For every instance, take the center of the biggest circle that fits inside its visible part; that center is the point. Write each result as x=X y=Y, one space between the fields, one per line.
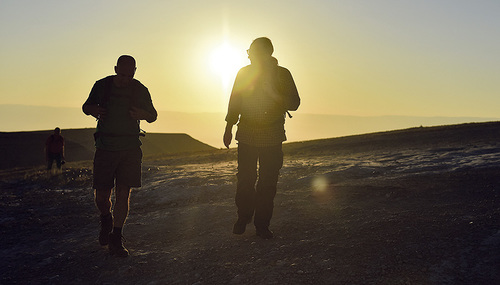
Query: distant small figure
x=118 y=102
x=54 y=151
x=262 y=94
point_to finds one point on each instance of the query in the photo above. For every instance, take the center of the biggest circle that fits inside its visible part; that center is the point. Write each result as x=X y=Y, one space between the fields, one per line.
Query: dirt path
x=418 y=216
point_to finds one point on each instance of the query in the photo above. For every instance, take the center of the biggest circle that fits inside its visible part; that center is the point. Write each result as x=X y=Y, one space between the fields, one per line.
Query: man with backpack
x=262 y=94
x=118 y=102
x=54 y=150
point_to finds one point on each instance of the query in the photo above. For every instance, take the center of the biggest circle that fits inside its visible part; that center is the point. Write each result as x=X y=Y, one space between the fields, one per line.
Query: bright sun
x=225 y=61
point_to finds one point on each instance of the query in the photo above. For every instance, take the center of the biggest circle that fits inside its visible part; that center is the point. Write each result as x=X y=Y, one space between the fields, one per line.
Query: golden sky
x=352 y=57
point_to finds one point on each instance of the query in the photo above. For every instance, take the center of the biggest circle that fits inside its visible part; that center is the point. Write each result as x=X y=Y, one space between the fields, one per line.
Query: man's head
x=261 y=48
x=125 y=70
x=57 y=131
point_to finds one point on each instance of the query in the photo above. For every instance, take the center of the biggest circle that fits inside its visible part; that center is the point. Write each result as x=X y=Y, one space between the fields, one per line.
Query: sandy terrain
x=418 y=206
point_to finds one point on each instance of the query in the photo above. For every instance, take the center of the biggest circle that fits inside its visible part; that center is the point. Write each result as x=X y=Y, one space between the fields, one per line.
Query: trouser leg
x=247 y=175
x=270 y=163
x=50 y=161
x=59 y=161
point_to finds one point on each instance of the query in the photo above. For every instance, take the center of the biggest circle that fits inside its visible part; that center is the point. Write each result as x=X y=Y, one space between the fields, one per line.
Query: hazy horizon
x=209 y=127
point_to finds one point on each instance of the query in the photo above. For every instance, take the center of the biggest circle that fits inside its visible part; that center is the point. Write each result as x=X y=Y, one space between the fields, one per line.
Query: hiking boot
x=106 y=227
x=240 y=226
x=264 y=233
x=116 y=246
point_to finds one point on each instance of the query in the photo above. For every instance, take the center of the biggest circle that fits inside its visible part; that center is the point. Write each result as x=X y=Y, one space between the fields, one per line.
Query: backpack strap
x=104 y=100
x=108 y=84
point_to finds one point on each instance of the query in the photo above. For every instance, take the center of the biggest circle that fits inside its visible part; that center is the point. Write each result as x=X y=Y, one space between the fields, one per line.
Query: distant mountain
x=209 y=127
x=26 y=149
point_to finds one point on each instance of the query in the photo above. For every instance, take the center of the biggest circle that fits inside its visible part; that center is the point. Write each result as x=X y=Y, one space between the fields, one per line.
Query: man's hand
x=95 y=110
x=228 y=135
x=141 y=114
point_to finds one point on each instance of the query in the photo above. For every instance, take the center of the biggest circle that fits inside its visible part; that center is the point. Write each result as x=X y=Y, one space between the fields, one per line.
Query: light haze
x=356 y=58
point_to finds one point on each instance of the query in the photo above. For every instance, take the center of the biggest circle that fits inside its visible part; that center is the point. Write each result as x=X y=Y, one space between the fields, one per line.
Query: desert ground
x=415 y=206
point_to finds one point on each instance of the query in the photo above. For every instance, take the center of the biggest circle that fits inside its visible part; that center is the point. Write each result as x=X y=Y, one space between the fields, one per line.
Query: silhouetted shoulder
x=138 y=83
x=284 y=70
x=104 y=81
x=245 y=69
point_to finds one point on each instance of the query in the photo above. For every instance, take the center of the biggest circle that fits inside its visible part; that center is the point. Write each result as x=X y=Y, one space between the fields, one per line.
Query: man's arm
x=141 y=114
x=228 y=135
x=233 y=110
x=291 y=98
x=144 y=110
x=91 y=106
x=62 y=152
x=94 y=109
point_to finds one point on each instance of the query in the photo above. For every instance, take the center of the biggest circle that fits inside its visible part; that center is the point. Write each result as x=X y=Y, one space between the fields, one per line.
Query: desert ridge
x=445 y=136
x=26 y=149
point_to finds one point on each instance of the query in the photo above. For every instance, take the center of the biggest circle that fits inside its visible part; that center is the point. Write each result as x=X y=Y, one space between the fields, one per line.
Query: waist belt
x=103 y=134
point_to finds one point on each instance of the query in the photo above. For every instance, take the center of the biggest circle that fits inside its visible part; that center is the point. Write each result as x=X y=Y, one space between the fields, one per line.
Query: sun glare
x=225 y=62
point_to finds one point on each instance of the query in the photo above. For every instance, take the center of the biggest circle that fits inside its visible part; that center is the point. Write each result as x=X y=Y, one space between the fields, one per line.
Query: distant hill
x=26 y=149
x=439 y=137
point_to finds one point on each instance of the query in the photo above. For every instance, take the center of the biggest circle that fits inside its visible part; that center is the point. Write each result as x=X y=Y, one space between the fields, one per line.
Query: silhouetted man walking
x=262 y=94
x=118 y=102
x=54 y=150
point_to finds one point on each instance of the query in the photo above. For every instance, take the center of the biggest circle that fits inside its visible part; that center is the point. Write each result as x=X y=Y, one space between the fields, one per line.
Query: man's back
x=117 y=130
x=55 y=143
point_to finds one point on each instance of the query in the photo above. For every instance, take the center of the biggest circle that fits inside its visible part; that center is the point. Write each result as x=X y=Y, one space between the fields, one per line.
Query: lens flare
x=320 y=184
x=321 y=189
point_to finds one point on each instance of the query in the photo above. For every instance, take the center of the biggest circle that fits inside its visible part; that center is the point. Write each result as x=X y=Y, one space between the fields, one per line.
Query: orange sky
x=364 y=58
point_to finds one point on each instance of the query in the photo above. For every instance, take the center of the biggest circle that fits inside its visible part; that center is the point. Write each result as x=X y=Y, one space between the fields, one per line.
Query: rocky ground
x=348 y=211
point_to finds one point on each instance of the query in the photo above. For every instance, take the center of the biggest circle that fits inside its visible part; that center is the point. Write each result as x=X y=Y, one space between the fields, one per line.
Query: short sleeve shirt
x=118 y=130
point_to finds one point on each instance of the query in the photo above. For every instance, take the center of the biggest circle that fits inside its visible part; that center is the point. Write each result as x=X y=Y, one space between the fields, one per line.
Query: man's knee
x=247 y=176
x=122 y=192
x=102 y=194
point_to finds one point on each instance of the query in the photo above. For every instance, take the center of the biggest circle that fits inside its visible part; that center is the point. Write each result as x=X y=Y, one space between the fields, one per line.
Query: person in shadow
x=118 y=102
x=262 y=94
x=54 y=150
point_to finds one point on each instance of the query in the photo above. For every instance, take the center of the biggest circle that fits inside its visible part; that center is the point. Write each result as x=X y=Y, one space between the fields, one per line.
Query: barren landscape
x=415 y=206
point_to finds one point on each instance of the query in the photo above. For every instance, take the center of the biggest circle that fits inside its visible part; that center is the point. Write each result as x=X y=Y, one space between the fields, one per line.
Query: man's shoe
x=106 y=227
x=116 y=246
x=264 y=233
x=240 y=226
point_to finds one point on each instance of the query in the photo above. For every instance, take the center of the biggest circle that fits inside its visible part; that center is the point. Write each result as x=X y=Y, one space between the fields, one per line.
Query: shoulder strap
x=108 y=84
